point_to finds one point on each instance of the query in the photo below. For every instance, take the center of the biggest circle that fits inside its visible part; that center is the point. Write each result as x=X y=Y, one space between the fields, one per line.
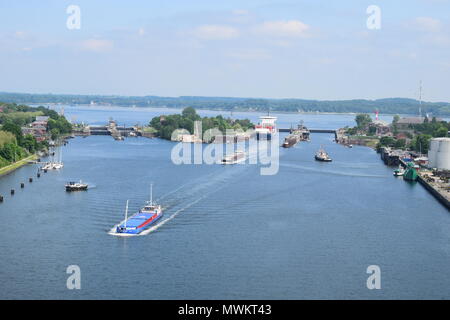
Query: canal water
x=308 y=232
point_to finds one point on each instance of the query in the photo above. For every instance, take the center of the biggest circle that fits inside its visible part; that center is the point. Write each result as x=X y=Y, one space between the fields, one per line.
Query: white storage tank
x=439 y=153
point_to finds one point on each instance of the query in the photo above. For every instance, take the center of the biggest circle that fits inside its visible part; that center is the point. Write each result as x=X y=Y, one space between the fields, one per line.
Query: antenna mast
x=420 y=99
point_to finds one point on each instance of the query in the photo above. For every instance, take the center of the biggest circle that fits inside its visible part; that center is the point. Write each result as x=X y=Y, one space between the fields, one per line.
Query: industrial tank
x=439 y=153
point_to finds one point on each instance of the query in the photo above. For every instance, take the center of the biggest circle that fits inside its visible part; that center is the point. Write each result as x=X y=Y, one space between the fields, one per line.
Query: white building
x=439 y=153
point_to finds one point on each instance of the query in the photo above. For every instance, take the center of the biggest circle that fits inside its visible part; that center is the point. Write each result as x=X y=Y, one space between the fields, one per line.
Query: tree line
x=386 y=106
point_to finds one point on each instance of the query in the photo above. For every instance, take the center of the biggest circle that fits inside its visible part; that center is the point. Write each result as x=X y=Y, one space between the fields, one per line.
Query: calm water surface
x=228 y=233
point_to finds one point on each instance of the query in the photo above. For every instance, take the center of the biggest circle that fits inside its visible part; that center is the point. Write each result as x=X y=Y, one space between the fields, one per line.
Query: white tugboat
x=322 y=155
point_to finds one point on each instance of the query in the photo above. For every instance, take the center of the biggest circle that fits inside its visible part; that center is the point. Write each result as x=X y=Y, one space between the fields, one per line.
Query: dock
x=438 y=188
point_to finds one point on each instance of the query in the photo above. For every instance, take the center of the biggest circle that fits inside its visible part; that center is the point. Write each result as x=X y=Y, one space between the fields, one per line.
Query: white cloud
x=290 y=28
x=97 y=45
x=20 y=35
x=216 y=32
x=249 y=55
x=240 y=12
x=428 y=24
x=141 y=31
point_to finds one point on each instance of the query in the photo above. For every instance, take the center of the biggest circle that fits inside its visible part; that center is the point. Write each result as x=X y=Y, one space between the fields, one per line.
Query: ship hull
x=144 y=225
x=70 y=189
x=263 y=136
x=322 y=159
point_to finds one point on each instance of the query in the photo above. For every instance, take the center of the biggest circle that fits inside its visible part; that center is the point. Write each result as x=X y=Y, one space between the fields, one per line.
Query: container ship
x=141 y=220
x=266 y=128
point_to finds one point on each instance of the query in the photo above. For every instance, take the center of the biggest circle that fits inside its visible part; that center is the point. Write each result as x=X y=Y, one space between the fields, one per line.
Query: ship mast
x=151 y=194
x=126 y=215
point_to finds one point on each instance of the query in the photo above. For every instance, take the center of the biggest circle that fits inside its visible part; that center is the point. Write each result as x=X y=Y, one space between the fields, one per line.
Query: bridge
x=335 y=132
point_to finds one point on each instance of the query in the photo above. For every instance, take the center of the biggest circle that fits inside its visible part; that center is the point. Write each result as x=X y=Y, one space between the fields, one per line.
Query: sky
x=316 y=49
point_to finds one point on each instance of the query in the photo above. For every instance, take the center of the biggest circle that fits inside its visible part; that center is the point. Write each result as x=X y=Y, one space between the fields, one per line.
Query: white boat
x=54 y=165
x=399 y=172
x=76 y=186
x=236 y=157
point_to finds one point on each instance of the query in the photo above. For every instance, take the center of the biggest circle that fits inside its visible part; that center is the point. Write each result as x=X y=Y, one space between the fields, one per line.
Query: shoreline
x=206 y=109
x=16 y=165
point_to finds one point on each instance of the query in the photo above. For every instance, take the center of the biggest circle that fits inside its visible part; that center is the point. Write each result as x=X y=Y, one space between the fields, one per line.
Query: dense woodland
x=386 y=106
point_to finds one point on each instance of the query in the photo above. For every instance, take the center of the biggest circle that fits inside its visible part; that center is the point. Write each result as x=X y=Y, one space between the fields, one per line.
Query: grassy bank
x=17 y=164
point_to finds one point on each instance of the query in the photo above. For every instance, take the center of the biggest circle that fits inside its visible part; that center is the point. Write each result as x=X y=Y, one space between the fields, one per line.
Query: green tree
x=421 y=143
x=441 y=132
x=190 y=113
x=363 y=120
x=387 y=141
x=54 y=133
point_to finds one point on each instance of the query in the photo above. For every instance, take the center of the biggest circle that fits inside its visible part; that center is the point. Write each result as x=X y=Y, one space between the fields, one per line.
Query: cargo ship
x=290 y=141
x=296 y=135
x=236 y=157
x=141 y=220
x=266 y=128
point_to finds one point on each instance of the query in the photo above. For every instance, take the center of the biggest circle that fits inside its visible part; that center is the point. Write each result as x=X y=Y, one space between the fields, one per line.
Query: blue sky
x=312 y=49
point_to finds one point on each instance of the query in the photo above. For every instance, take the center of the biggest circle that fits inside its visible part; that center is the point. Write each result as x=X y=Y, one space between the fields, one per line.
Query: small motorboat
x=399 y=171
x=76 y=186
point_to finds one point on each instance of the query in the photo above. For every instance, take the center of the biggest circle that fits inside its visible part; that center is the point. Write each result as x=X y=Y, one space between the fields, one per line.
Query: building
x=439 y=153
x=382 y=128
x=37 y=128
x=404 y=123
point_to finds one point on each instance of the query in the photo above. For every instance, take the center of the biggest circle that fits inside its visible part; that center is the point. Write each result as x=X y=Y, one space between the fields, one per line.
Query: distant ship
x=76 y=186
x=322 y=155
x=141 y=220
x=234 y=158
x=266 y=128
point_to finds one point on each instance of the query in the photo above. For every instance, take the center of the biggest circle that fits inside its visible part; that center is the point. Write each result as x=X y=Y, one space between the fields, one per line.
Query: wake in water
x=181 y=198
x=338 y=173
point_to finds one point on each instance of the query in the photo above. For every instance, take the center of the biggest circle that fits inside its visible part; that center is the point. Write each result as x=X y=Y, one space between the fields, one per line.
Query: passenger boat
x=322 y=155
x=76 y=186
x=236 y=157
x=141 y=220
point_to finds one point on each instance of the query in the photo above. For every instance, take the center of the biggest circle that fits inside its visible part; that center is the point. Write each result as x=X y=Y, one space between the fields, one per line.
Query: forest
x=384 y=106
